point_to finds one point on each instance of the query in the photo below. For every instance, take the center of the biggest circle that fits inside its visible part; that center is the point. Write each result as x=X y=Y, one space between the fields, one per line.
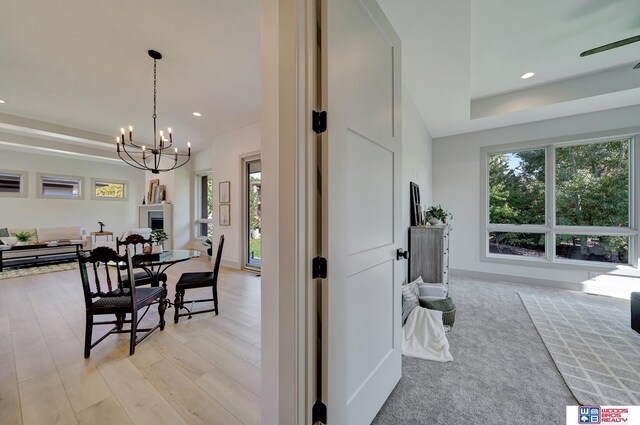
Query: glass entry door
x=253 y=216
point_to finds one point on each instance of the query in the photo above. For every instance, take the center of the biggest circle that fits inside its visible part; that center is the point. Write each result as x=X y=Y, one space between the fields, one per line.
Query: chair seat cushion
x=195 y=280
x=144 y=296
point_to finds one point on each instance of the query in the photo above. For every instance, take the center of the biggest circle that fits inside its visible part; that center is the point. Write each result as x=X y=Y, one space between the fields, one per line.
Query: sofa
x=46 y=244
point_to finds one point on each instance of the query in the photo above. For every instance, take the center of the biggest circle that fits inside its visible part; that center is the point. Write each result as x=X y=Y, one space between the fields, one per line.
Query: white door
x=361 y=222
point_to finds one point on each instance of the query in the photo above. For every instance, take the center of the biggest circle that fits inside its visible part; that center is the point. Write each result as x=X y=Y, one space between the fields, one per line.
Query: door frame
x=288 y=94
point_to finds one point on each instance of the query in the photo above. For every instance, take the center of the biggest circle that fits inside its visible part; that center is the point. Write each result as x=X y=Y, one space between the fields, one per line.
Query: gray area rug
x=501 y=371
x=13 y=272
x=591 y=341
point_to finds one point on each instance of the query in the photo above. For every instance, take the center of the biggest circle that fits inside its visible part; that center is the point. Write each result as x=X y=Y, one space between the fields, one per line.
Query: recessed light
x=197 y=114
x=528 y=75
x=2 y=101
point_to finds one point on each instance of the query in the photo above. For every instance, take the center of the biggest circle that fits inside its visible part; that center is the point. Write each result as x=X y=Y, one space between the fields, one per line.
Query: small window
x=204 y=205
x=108 y=189
x=67 y=187
x=13 y=183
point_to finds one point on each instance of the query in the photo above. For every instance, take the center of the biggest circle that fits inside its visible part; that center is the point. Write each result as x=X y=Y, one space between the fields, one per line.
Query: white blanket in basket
x=423 y=336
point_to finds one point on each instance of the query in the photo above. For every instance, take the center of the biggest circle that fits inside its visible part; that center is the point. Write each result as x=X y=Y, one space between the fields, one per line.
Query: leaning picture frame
x=225 y=215
x=224 y=192
x=152 y=184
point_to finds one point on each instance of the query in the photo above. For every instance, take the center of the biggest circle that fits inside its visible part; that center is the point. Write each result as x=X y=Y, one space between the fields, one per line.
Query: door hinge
x=319 y=413
x=319 y=266
x=319 y=124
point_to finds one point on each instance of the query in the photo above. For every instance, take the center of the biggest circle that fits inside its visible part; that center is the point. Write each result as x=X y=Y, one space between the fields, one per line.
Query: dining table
x=156 y=264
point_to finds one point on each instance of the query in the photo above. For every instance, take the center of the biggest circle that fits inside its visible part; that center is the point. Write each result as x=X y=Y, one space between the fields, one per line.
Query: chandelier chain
x=154 y=89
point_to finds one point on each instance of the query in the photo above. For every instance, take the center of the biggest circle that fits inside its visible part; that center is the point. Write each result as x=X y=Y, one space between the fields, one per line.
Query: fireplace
x=156 y=219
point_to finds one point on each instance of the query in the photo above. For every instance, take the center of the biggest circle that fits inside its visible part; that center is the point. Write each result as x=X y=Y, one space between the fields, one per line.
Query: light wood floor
x=202 y=371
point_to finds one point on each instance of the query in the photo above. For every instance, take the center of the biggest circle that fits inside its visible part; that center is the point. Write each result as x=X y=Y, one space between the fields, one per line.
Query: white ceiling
x=463 y=55
x=84 y=64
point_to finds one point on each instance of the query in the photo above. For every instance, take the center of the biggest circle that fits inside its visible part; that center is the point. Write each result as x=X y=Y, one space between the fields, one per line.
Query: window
x=53 y=186
x=109 y=189
x=561 y=203
x=204 y=205
x=13 y=183
x=253 y=212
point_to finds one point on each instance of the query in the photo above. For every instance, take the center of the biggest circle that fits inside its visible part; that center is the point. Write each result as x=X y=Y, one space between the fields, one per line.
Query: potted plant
x=209 y=244
x=22 y=237
x=435 y=214
x=157 y=237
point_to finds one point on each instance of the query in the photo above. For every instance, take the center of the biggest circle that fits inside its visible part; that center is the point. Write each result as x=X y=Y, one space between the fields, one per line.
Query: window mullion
x=634 y=201
x=550 y=187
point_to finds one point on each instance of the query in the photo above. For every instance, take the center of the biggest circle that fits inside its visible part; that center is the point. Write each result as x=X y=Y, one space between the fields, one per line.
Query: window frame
x=40 y=194
x=24 y=184
x=197 y=220
x=95 y=197
x=549 y=228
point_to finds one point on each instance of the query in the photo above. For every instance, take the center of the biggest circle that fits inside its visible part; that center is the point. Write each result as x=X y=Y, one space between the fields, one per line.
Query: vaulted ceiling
x=463 y=59
x=84 y=65
x=78 y=70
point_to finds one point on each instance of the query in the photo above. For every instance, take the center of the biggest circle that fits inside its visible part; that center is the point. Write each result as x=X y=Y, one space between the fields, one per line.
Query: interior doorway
x=252 y=227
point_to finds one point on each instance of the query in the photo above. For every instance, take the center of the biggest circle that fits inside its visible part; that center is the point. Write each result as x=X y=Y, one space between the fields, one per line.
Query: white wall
x=456 y=185
x=416 y=158
x=417 y=148
x=227 y=152
x=41 y=212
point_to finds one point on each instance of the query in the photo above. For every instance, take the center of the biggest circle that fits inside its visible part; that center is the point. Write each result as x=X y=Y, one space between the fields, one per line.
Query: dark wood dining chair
x=143 y=277
x=198 y=280
x=103 y=296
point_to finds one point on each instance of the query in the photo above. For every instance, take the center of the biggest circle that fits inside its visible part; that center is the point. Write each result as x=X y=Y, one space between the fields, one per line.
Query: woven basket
x=446 y=306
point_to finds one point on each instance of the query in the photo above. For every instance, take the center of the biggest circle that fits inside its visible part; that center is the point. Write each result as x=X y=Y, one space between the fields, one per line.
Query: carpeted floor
x=501 y=372
x=13 y=272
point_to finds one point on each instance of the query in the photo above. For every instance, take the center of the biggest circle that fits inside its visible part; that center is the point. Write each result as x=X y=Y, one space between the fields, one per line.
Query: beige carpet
x=11 y=273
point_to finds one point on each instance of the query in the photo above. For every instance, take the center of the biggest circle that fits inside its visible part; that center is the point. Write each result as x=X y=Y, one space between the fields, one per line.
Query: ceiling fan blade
x=610 y=46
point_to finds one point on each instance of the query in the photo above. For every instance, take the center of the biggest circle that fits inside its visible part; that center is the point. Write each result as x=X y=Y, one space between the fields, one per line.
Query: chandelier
x=160 y=157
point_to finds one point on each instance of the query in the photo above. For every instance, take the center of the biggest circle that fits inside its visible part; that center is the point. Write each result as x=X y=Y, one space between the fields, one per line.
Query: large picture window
x=561 y=203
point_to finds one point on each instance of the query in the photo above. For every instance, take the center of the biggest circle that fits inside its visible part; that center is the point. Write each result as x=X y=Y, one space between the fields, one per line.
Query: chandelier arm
x=132 y=143
x=135 y=163
x=132 y=159
x=174 y=167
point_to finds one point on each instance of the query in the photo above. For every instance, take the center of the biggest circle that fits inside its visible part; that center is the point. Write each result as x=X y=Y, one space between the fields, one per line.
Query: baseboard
x=231 y=264
x=572 y=286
